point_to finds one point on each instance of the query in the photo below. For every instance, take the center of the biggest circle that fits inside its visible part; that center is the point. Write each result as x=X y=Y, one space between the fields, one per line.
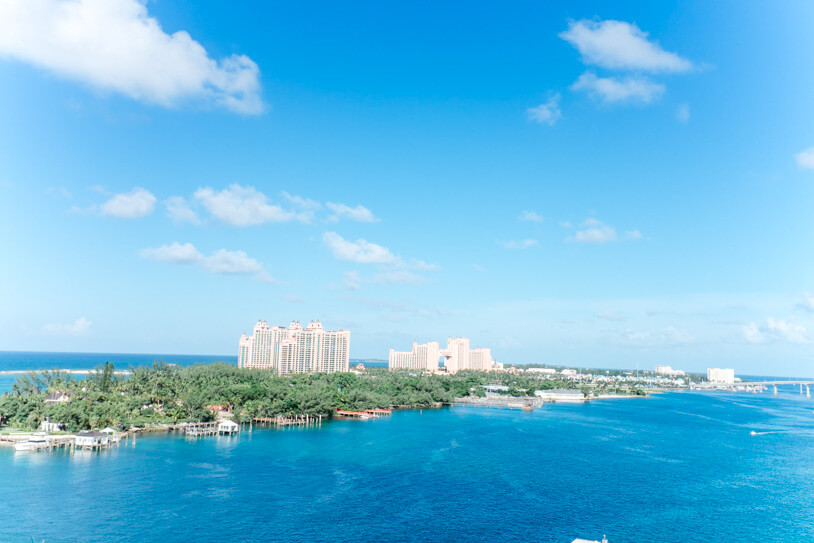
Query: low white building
x=50 y=427
x=543 y=371
x=227 y=426
x=561 y=395
x=92 y=439
x=721 y=376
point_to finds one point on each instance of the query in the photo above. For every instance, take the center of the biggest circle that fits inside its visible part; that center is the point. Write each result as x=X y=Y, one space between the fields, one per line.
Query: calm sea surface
x=678 y=467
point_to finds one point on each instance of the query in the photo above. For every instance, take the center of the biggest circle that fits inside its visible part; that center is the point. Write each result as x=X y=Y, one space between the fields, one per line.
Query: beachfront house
x=92 y=439
x=227 y=426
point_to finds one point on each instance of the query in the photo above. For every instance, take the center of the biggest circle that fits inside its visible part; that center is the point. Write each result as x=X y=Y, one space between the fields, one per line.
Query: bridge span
x=802 y=382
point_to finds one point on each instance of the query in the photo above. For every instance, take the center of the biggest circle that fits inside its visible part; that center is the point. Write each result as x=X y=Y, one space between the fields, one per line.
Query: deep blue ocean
x=675 y=467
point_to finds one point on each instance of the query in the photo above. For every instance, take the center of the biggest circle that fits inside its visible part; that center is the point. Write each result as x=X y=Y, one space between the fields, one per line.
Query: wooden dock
x=200 y=429
x=283 y=422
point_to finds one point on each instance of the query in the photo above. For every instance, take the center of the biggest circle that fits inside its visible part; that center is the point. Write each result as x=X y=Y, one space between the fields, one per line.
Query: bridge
x=802 y=382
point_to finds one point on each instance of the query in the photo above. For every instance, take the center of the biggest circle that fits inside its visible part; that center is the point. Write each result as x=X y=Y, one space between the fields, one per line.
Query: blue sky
x=585 y=184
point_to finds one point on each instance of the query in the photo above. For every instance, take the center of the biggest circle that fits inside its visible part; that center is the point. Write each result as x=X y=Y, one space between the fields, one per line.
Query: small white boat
x=34 y=443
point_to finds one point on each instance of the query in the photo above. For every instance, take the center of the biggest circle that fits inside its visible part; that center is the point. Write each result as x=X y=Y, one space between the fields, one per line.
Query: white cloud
x=530 y=216
x=547 y=113
x=775 y=330
x=520 y=244
x=805 y=159
x=361 y=250
x=220 y=262
x=78 y=327
x=175 y=253
x=352 y=280
x=231 y=262
x=808 y=302
x=116 y=45
x=619 y=90
x=243 y=206
x=669 y=336
x=398 y=277
x=132 y=205
x=594 y=231
x=683 y=113
x=609 y=316
x=633 y=234
x=299 y=201
x=752 y=333
x=618 y=45
x=179 y=210
x=566 y=224
x=359 y=213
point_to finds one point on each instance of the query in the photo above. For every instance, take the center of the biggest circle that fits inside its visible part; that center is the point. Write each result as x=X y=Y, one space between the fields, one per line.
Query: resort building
x=422 y=357
x=721 y=376
x=295 y=349
x=457 y=356
x=668 y=370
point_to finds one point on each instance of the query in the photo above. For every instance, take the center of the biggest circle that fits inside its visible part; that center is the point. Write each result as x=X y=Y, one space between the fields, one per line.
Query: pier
x=501 y=402
x=282 y=422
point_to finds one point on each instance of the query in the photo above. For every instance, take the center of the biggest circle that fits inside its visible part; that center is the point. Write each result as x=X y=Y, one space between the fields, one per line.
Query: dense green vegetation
x=167 y=394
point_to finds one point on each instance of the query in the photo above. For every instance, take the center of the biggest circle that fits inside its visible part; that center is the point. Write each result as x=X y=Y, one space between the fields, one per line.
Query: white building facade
x=458 y=356
x=721 y=376
x=295 y=349
x=423 y=357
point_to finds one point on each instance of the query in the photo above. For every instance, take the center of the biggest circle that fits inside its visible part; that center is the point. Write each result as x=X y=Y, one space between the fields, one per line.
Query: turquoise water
x=678 y=467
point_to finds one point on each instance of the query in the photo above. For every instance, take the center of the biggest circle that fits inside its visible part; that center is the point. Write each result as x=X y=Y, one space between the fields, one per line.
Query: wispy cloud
x=392 y=269
x=683 y=113
x=131 y=205
x=530 y=216
x=179 y=210
x=630 y=89
x=594 y=231
x=808 y=302
x=546 y=113
x=115 y=45
x=520 y=244
x=805 y=159
x=341 y=211
x=618 y=45
x=775 y=330
x=361 y=250
x=669 y=336
x=78 y=327
x=219 y=262
x=243 y=206
x=609 y=316
x=301 y=202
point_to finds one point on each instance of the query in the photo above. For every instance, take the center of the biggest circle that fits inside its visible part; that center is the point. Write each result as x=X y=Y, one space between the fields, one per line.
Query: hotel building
x=458 y=356
x=721 y=376
x=294 y=349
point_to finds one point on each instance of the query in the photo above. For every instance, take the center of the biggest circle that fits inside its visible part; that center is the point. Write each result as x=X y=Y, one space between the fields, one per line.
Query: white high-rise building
x=721 y=376
x=422 y=357
x=294 y=349
x=458 y=356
